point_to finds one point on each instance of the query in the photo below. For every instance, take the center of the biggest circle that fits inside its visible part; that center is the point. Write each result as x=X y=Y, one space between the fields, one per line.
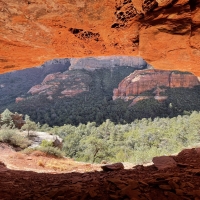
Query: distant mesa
x=92 y=63
x=73 y=82
x=141 y=81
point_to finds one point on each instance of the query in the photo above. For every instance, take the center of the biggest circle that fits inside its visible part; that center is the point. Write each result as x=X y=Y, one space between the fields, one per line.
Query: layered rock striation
x=144 y=80
x=165 y=33
x=65 y=84
x=75 y=81
x=92 y=63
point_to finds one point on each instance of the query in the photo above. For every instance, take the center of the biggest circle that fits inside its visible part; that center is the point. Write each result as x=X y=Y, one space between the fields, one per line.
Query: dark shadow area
x=193 y=4
x=177 y=183
x=17 y=83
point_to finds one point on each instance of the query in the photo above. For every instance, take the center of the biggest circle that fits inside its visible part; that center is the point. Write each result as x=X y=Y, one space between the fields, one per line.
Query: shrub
x=46 y=143
x=51 y=151
x=11 y=137
x=28 y=151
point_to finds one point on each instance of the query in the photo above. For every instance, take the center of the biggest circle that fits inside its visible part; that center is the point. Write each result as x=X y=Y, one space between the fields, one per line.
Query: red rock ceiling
x=166 y=33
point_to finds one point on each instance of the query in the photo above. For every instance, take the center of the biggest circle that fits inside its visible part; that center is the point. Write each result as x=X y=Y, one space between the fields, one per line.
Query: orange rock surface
x=141 y=81
x=165 y=33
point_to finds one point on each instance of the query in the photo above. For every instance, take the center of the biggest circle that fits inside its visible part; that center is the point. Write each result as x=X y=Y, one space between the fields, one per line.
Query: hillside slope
x=14 y=84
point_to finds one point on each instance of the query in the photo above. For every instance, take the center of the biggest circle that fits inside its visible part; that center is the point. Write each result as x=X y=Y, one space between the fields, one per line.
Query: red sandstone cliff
x=144 y=80
x=165 y=33
x=67 y=84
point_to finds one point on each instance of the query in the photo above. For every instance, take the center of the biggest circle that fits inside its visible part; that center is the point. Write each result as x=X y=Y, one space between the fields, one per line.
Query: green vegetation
x=136 y=142
x=29 y=125
x=51 y=151
x=97 y=105
x=6 y=118
x=12 y=137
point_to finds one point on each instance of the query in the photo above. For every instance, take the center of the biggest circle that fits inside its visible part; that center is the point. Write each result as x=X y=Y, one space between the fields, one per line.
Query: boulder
x=164 y=162
x=113 y=167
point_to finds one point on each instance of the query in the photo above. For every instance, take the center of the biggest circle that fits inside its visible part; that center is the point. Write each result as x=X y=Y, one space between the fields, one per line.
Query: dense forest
x=96 y=105
x=135 y=142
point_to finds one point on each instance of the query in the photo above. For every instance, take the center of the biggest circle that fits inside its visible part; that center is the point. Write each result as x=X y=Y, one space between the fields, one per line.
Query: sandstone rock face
x=144 y=80
x=73 y=81
x=165 y=33
x=67 y=84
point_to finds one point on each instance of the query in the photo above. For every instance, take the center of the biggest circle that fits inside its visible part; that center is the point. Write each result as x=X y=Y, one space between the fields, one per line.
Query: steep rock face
x=141 y=81
x=74 y=82
x=68 y=84
x=165 y=33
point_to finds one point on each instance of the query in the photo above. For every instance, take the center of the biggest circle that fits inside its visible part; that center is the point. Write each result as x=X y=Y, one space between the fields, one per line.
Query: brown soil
x=44 y=183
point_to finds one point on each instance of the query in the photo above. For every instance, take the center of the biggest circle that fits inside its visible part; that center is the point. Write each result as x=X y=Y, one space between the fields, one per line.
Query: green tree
x=6 y=118
x=29 y=125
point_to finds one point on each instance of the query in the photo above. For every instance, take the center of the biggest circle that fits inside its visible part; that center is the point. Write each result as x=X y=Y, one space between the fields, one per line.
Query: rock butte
x=141 y=81
x=165 y=33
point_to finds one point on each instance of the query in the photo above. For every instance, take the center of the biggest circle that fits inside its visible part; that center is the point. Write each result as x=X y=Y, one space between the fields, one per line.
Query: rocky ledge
x=170 y=178
x=141 y=81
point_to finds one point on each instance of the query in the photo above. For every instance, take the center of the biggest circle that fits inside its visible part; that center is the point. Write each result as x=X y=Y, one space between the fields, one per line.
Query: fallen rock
x=113 y=167
x=164 y=162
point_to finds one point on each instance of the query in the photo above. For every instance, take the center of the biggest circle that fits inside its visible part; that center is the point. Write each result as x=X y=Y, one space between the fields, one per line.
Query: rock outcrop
x=145 y=80
x=165 y=33
x=64 y=84
x=36 y=139
x=19 y=99
x=73 y=82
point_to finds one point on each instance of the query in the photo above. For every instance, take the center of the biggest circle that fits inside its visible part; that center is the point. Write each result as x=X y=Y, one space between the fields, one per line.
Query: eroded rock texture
x=165 y=33
x=67 y=84
x=144 y=80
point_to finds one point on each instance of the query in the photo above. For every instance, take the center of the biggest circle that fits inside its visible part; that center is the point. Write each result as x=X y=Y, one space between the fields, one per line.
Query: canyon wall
x=166 y=33
x=144 y=80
